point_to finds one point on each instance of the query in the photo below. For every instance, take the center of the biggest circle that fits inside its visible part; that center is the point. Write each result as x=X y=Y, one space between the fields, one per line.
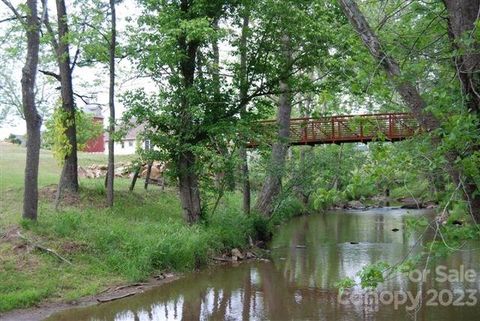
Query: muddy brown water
x=310 y=254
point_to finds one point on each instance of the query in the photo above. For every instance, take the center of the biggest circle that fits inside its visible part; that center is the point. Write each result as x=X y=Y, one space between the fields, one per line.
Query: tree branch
x=104 y=36
x=85 y=98
x=50 y=73
x=43 y=248
x=46 y=22
x=77 y=53
x=12 y=18
x=15 y=12
x=75 y=58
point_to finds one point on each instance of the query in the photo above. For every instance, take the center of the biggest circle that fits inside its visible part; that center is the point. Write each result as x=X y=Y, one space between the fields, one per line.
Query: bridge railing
x=349 y=128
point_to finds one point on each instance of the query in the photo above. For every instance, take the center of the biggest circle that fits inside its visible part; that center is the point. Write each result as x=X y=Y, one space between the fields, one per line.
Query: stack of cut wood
x=124 y=170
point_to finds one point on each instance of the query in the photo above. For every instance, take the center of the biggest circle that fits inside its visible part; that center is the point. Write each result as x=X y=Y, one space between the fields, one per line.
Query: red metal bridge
x=347 y=129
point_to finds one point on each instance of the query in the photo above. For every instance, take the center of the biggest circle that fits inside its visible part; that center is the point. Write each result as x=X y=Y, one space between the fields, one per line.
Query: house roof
x=94 y=110
x=132 y=133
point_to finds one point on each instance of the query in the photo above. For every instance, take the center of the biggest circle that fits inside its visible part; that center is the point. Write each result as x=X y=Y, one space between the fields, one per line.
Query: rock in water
x=236 y=253
x=356 y=205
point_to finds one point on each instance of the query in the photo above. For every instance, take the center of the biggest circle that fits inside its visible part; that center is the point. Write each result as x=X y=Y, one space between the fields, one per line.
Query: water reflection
x=310 y=255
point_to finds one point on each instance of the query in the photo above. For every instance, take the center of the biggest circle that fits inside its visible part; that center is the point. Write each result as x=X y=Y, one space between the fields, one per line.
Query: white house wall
x=126 y=148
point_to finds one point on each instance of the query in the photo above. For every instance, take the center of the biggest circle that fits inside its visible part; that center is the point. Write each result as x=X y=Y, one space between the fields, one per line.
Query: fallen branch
x=221 y=259
x=45 y=249
x=116 y=297
x=104 y=290
x=129 y=286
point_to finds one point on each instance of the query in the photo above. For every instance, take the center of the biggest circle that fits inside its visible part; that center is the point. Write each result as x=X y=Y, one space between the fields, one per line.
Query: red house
x=96 y=145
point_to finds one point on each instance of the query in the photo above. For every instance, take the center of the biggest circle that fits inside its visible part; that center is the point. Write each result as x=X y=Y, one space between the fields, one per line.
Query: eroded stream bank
x=309 y=255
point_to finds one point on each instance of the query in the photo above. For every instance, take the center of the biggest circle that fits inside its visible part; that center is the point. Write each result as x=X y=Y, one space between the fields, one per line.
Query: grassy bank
x=143 y=234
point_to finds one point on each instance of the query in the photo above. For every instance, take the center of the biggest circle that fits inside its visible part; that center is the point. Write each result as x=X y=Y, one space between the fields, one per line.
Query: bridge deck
x=348 y=129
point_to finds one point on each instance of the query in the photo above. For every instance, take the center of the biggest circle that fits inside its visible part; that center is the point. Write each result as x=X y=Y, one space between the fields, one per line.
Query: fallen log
x=43 y=248
x=116 y=297
x=129 y=286
x=221 y=259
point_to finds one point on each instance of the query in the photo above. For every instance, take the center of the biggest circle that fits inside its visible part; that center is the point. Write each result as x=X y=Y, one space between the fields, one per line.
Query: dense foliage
x=54 y=137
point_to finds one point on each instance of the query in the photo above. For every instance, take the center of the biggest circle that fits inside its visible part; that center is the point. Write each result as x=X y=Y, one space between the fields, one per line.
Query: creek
x=309 y=255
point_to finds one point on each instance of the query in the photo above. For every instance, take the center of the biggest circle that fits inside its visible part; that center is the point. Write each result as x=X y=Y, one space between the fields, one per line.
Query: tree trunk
x=245 y=177
x=273 y=183
x=69 y=180
x=149 y=172
x=243 y=95
x=462 y=17
x=134 y=179
x=111 y=103
x=185 y=159
x=224 y=179
x=189 y=190
x=32 y=118
x=299 y=186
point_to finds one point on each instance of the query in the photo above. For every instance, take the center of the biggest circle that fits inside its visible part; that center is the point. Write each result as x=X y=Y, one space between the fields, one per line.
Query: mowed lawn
x=12 y=168
x=143 y=234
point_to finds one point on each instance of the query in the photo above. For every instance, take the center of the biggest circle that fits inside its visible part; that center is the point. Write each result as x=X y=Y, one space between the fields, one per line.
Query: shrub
x=323 y=198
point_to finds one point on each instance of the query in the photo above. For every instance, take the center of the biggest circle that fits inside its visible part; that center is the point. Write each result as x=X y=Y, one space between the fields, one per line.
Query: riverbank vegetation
x=141 y=236
x=206 y=74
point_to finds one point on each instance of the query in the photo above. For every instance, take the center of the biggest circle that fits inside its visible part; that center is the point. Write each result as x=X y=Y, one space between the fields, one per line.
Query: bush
x=13 y=139
x=287 y=209
x=324 y=199
x=360 y=186
x=137 y=240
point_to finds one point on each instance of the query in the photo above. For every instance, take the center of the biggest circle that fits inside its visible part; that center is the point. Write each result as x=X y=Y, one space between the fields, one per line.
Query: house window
x=130 y=143
x=123 y=144
x=147 y=144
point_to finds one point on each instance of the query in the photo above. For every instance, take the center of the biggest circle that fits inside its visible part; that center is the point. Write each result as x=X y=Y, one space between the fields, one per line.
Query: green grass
x=143 y=234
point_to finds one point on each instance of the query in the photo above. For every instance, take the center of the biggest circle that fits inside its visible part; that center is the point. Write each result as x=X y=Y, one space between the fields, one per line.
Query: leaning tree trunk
x=406 y=90
x=69 y=179
x=111 y=102
x=404 y=87
x=273 y=183
x=32 y=118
